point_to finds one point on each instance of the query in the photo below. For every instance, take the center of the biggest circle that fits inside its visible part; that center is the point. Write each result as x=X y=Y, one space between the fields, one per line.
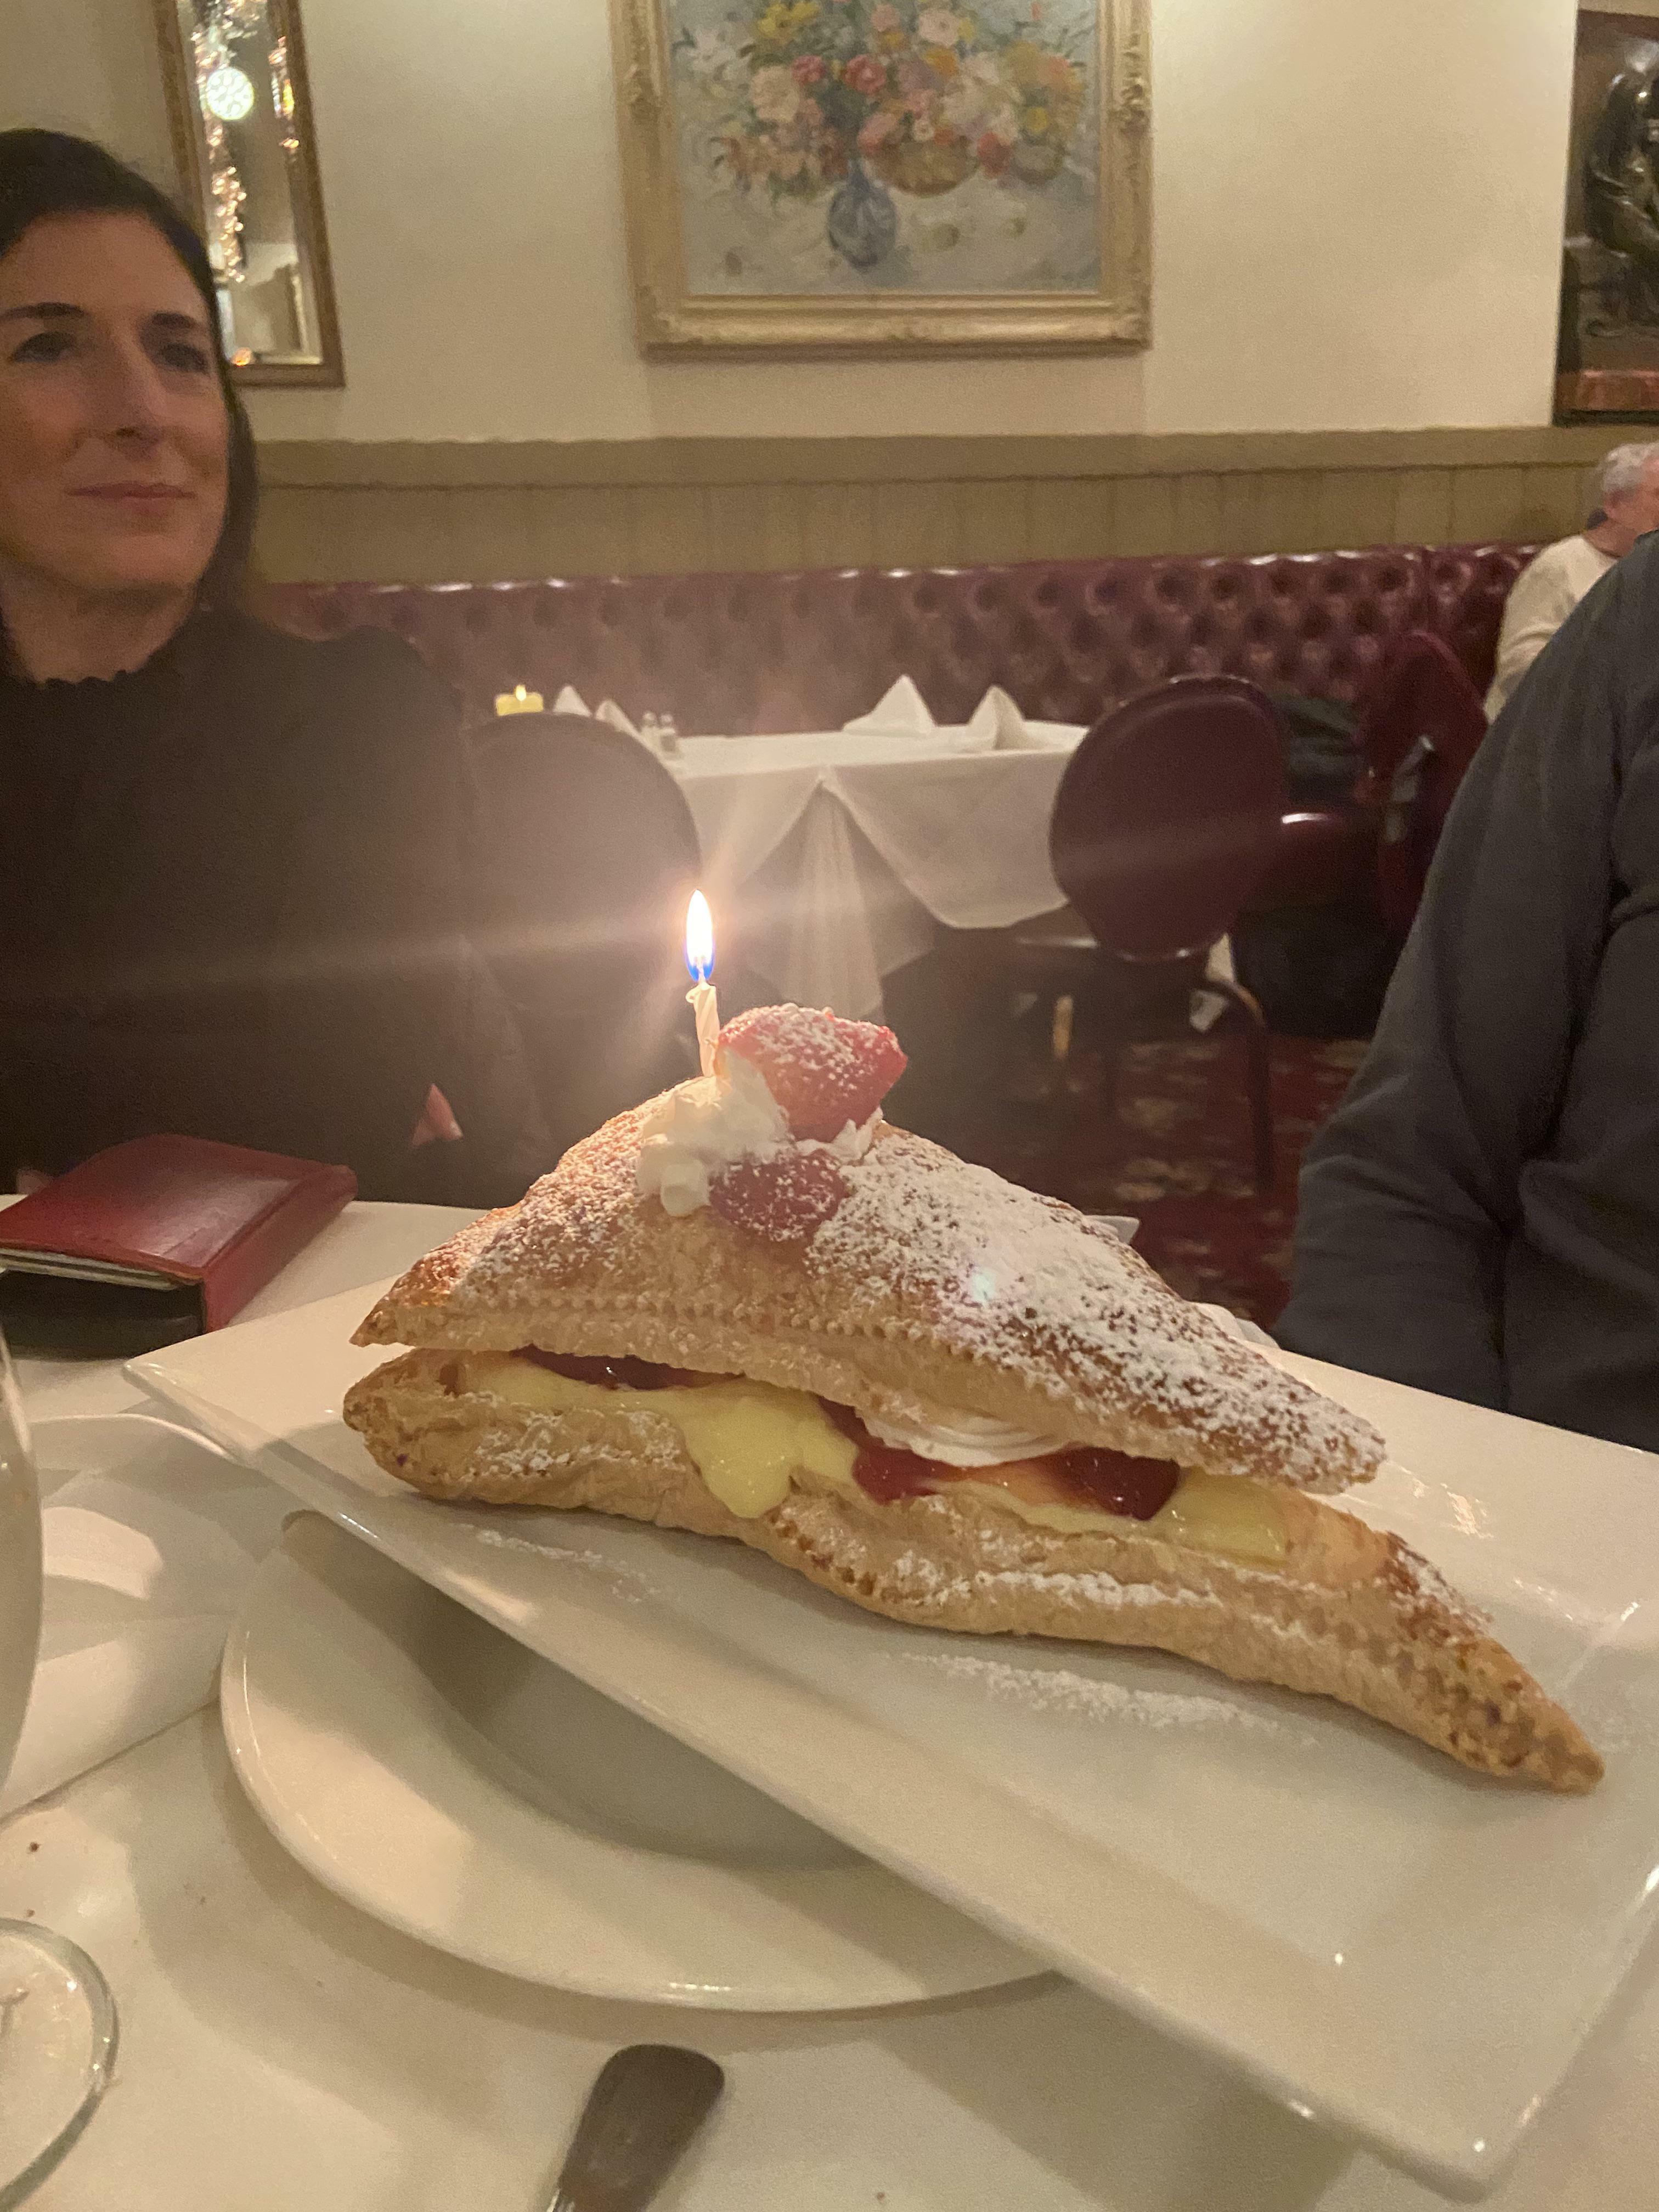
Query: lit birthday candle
x=700 y=965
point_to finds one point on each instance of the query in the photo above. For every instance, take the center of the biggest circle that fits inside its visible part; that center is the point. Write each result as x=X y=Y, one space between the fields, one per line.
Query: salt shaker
x=668 y=737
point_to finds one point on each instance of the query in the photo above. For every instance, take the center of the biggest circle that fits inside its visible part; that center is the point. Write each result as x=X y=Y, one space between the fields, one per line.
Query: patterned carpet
x=1177 y=1155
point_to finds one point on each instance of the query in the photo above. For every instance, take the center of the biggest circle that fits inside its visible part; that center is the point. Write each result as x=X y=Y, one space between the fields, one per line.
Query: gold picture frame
x=292 y=336
x=678 y=60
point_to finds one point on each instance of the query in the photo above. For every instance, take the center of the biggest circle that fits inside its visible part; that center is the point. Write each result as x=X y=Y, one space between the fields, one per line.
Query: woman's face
x=114 y=436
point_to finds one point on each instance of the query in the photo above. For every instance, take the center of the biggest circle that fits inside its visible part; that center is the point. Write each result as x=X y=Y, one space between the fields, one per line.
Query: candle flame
x=699 y=939
x=519 y=693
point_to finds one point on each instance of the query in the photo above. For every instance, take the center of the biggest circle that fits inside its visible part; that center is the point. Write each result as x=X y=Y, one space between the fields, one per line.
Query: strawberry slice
x=822 y=1070
x=782 y=1196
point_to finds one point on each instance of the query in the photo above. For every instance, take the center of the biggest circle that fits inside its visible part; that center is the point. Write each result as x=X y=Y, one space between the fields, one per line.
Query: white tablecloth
x=834 y=855
x=280 y=2051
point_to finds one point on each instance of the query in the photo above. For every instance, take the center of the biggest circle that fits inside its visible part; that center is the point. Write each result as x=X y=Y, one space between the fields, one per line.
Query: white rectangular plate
x=1387 y=1944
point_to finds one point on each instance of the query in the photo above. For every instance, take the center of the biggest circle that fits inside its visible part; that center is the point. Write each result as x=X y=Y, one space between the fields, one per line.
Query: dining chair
x=586 y=855
x=1420 y=724
x=1164 y=820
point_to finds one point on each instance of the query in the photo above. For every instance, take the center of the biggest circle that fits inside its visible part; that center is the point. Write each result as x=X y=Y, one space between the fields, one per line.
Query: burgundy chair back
x=1420 y=729
x=1168 y=816
x=585 y=856
x=1421 y=690
x=1449 y=724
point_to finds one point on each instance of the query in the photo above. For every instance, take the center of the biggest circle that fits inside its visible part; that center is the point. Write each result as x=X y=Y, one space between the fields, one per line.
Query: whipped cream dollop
x=699 y=1127
x=958 y=1439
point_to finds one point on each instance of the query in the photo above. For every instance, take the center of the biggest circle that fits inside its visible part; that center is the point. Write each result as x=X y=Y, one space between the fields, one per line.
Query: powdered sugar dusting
x=499 y=1541
x=1430 y=1598
x=933 y=1578
x=626 y=1582
x=1058 y=1689
x=1006 y=1276
x=1001 y=1281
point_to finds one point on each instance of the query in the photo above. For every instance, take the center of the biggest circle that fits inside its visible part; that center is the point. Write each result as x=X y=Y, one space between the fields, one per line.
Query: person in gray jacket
x=1481 y=1217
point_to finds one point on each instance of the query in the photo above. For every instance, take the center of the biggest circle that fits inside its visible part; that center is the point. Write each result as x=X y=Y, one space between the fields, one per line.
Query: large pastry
x=753 y=1309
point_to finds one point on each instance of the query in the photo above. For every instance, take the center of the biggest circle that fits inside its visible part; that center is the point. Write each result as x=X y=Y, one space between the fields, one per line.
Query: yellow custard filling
x=750 y=1441
x=747 y=1438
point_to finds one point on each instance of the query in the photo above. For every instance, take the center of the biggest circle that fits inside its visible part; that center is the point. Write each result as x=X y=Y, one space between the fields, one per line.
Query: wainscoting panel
x=475 y=512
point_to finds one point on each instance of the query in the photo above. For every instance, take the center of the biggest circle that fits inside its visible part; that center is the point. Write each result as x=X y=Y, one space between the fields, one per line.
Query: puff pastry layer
x=1351 y=1614
x=936 y=1284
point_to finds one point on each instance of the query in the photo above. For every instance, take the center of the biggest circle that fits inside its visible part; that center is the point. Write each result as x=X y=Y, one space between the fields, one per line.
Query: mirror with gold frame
x=245 y=144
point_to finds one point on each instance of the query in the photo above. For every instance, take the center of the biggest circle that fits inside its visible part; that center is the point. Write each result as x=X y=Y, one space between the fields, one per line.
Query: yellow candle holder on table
x=517 y=701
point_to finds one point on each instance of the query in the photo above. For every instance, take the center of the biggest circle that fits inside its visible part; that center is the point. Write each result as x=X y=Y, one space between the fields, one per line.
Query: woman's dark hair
x=49 y=173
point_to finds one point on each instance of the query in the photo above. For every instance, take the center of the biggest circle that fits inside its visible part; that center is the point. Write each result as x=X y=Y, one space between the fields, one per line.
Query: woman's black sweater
x=233 y=903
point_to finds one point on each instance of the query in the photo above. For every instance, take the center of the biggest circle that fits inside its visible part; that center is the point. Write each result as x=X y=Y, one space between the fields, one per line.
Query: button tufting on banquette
x=808 y=649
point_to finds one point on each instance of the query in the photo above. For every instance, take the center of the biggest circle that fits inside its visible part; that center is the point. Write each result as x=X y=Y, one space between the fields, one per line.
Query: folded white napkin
x=1236 y=1325
x=571 y=702
x=151 y=1535
x=609 y=711
x=996 y=725
x=901 y=706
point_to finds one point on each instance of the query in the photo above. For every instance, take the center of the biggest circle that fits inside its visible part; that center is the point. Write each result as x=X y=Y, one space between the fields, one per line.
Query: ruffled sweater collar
x=152 y=677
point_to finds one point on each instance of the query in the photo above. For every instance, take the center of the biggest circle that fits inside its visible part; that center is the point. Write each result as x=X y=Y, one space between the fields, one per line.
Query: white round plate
x=453 y=1784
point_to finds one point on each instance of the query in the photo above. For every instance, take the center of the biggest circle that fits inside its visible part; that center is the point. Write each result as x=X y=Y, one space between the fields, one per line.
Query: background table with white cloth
x=835 y=856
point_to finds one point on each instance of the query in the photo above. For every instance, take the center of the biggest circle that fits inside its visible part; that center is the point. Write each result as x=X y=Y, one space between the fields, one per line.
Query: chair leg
x=1086 y=1131
x=972 y=985
x=1028 y=1070
x=1107 y=1089
x=1259 y=1076
x=1060 y=1024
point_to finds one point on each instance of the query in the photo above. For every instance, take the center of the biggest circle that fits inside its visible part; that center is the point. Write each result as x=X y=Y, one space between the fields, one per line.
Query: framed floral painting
x=832 y=176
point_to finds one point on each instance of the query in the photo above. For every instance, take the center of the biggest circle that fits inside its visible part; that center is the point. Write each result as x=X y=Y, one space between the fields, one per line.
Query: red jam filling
x=1117 y=1482
x=1107 y=1481
x=886 y=1472
x=622 y=1373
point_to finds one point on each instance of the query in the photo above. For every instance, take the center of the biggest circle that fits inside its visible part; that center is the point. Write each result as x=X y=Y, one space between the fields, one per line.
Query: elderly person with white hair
x=1625 y=506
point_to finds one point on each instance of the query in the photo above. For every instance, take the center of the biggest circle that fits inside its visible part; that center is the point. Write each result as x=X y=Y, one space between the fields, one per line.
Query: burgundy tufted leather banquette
x=810 y=649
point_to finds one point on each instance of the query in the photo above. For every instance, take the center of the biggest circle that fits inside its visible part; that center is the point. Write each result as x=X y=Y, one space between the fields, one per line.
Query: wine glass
x=57 y=2017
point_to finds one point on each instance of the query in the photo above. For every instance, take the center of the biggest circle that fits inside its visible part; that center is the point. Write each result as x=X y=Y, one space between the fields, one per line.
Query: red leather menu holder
x=176 y=1214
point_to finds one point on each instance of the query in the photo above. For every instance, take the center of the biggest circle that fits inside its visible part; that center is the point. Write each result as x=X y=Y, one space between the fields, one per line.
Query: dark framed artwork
x=1607 y=349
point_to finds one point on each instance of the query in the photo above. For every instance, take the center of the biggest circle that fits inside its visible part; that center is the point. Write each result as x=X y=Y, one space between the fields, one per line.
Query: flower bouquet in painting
x=854 y=100
x=841 y=176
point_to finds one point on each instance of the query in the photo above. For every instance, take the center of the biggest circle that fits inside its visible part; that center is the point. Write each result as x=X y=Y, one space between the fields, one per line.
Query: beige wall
x=431 y=512
x=87 y=65
x=1356 y=209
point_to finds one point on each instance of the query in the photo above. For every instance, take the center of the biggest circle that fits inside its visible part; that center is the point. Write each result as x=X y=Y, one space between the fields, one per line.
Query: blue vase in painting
x=863 y=221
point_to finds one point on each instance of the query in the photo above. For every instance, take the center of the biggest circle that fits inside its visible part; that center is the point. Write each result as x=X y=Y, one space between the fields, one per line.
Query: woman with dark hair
x=231 y=881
